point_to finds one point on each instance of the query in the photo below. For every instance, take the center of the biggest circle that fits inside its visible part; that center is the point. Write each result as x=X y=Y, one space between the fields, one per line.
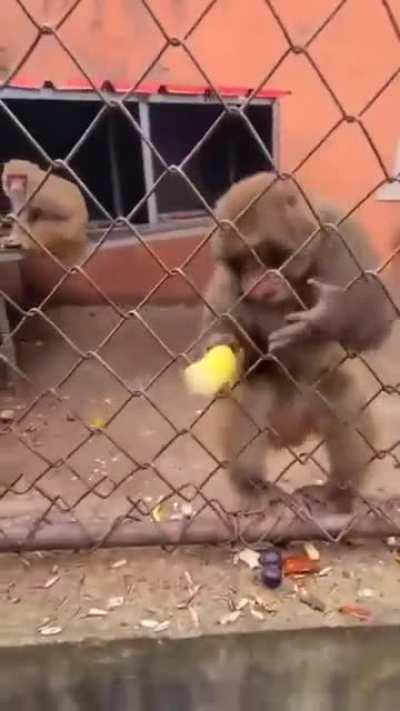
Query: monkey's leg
x=246 y=442
x=19 y=237
x=62 y=241
x=347 y=446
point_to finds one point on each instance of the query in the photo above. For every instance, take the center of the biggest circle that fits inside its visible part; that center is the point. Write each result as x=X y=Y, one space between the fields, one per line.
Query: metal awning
x=29 y=84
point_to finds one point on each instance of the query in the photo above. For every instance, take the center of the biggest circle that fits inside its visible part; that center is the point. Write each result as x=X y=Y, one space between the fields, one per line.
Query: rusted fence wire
x=80 y=514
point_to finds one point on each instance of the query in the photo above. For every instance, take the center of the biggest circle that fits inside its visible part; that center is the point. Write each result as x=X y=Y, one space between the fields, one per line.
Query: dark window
x=58 y=125
x=231 y=152
x=110 y=160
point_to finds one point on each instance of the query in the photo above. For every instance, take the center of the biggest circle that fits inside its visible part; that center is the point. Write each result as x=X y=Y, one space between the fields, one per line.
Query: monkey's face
x=260 y=279
x=259 y=284
x=16 y=184
x=16 y=177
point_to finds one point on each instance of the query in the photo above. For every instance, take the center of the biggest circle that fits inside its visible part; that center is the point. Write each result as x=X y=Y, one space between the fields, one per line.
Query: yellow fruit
x=218 y=369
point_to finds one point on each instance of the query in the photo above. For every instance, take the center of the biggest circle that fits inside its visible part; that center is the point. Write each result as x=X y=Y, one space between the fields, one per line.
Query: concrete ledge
x=330 y=669
x=126 y=272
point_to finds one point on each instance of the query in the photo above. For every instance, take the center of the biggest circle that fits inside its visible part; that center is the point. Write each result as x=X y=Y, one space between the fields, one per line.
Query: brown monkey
x=56 y=216
x=289 y=310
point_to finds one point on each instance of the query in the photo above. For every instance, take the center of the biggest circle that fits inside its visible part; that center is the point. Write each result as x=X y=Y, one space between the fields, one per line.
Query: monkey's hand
x=324 y=321
x=222 y=339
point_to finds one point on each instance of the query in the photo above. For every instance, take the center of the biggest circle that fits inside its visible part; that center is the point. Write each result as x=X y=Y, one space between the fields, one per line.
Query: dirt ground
x=148 y=452
x=49 y=455
x=138 y=592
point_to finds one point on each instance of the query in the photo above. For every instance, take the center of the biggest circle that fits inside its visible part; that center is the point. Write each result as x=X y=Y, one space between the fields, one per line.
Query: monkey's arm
x=221 y=295
x=359 y=317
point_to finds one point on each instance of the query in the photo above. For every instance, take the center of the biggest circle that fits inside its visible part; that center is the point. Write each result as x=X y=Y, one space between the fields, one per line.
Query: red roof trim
x=25 y=82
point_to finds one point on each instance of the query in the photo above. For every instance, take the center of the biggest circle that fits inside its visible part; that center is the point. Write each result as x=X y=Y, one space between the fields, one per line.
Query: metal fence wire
x=113 y=509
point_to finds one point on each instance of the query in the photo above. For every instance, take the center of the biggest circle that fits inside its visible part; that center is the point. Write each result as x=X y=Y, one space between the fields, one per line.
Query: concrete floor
x=57 y=461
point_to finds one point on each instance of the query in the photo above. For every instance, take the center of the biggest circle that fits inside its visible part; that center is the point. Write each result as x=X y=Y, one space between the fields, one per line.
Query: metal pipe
x=115 y=175
x=21 y=534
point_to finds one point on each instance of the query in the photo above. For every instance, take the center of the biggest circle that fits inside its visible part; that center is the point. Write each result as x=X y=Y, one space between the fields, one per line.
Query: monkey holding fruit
x=287 y=289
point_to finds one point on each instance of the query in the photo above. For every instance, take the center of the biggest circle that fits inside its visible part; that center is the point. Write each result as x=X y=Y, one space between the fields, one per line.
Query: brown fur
x=274 y=227
x=55 y=217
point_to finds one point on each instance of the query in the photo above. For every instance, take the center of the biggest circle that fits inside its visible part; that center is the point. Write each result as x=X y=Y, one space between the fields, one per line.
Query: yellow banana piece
x=218 y=369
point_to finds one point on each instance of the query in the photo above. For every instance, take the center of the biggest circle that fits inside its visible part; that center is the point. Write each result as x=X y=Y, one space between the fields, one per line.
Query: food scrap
x=360 y=613
x=249 y=557
x=155 y=625
x=217 y=370
x=230 y=618
x=271 y=567
x=97 y=423
x=311 y=600
x=300 y=565
x=311 y=551
x=157 y=513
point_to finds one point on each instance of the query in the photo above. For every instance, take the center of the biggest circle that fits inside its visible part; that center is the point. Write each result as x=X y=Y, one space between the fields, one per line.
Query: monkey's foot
x=318 y=499
x=259 y=495
x=327 y=498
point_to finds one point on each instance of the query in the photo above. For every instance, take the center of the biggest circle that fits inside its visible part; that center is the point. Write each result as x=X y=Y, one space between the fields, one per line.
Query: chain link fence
x=146 y=469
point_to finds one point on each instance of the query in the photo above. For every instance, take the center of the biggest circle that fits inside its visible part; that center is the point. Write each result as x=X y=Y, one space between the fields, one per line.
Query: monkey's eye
x=34 y=214
x=272 y=256
x=276 y=257
x=235 y=264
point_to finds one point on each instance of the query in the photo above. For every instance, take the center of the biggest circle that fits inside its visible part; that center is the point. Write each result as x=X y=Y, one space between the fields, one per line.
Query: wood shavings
x=193 y=591
x=11 y=595
x=189 y=580
x=50 y=582
x=114 y=602
x=187 y=509
x=192 y=594
x=184 y=511
x=129 y=585
x=154 y=625
x=248 y=557
x=230 y=618
x=194 y=615
x=393 y=542
x=96 y=612
x=118 y=564
x=50 y=631
x=311 y=551
x=256 y=613
x=325 y=571
x=149 y=624
x=269 y=606
x=162 y=626
x=366 y=594
x=312 y=601
x=7 y=415
x=243 y=602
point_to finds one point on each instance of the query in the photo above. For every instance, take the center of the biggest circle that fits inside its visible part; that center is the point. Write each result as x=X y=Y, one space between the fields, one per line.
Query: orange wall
x=239 y=42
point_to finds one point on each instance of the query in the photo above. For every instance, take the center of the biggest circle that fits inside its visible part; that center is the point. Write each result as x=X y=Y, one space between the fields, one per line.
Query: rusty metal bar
x=115 y=175
x=63 y=533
